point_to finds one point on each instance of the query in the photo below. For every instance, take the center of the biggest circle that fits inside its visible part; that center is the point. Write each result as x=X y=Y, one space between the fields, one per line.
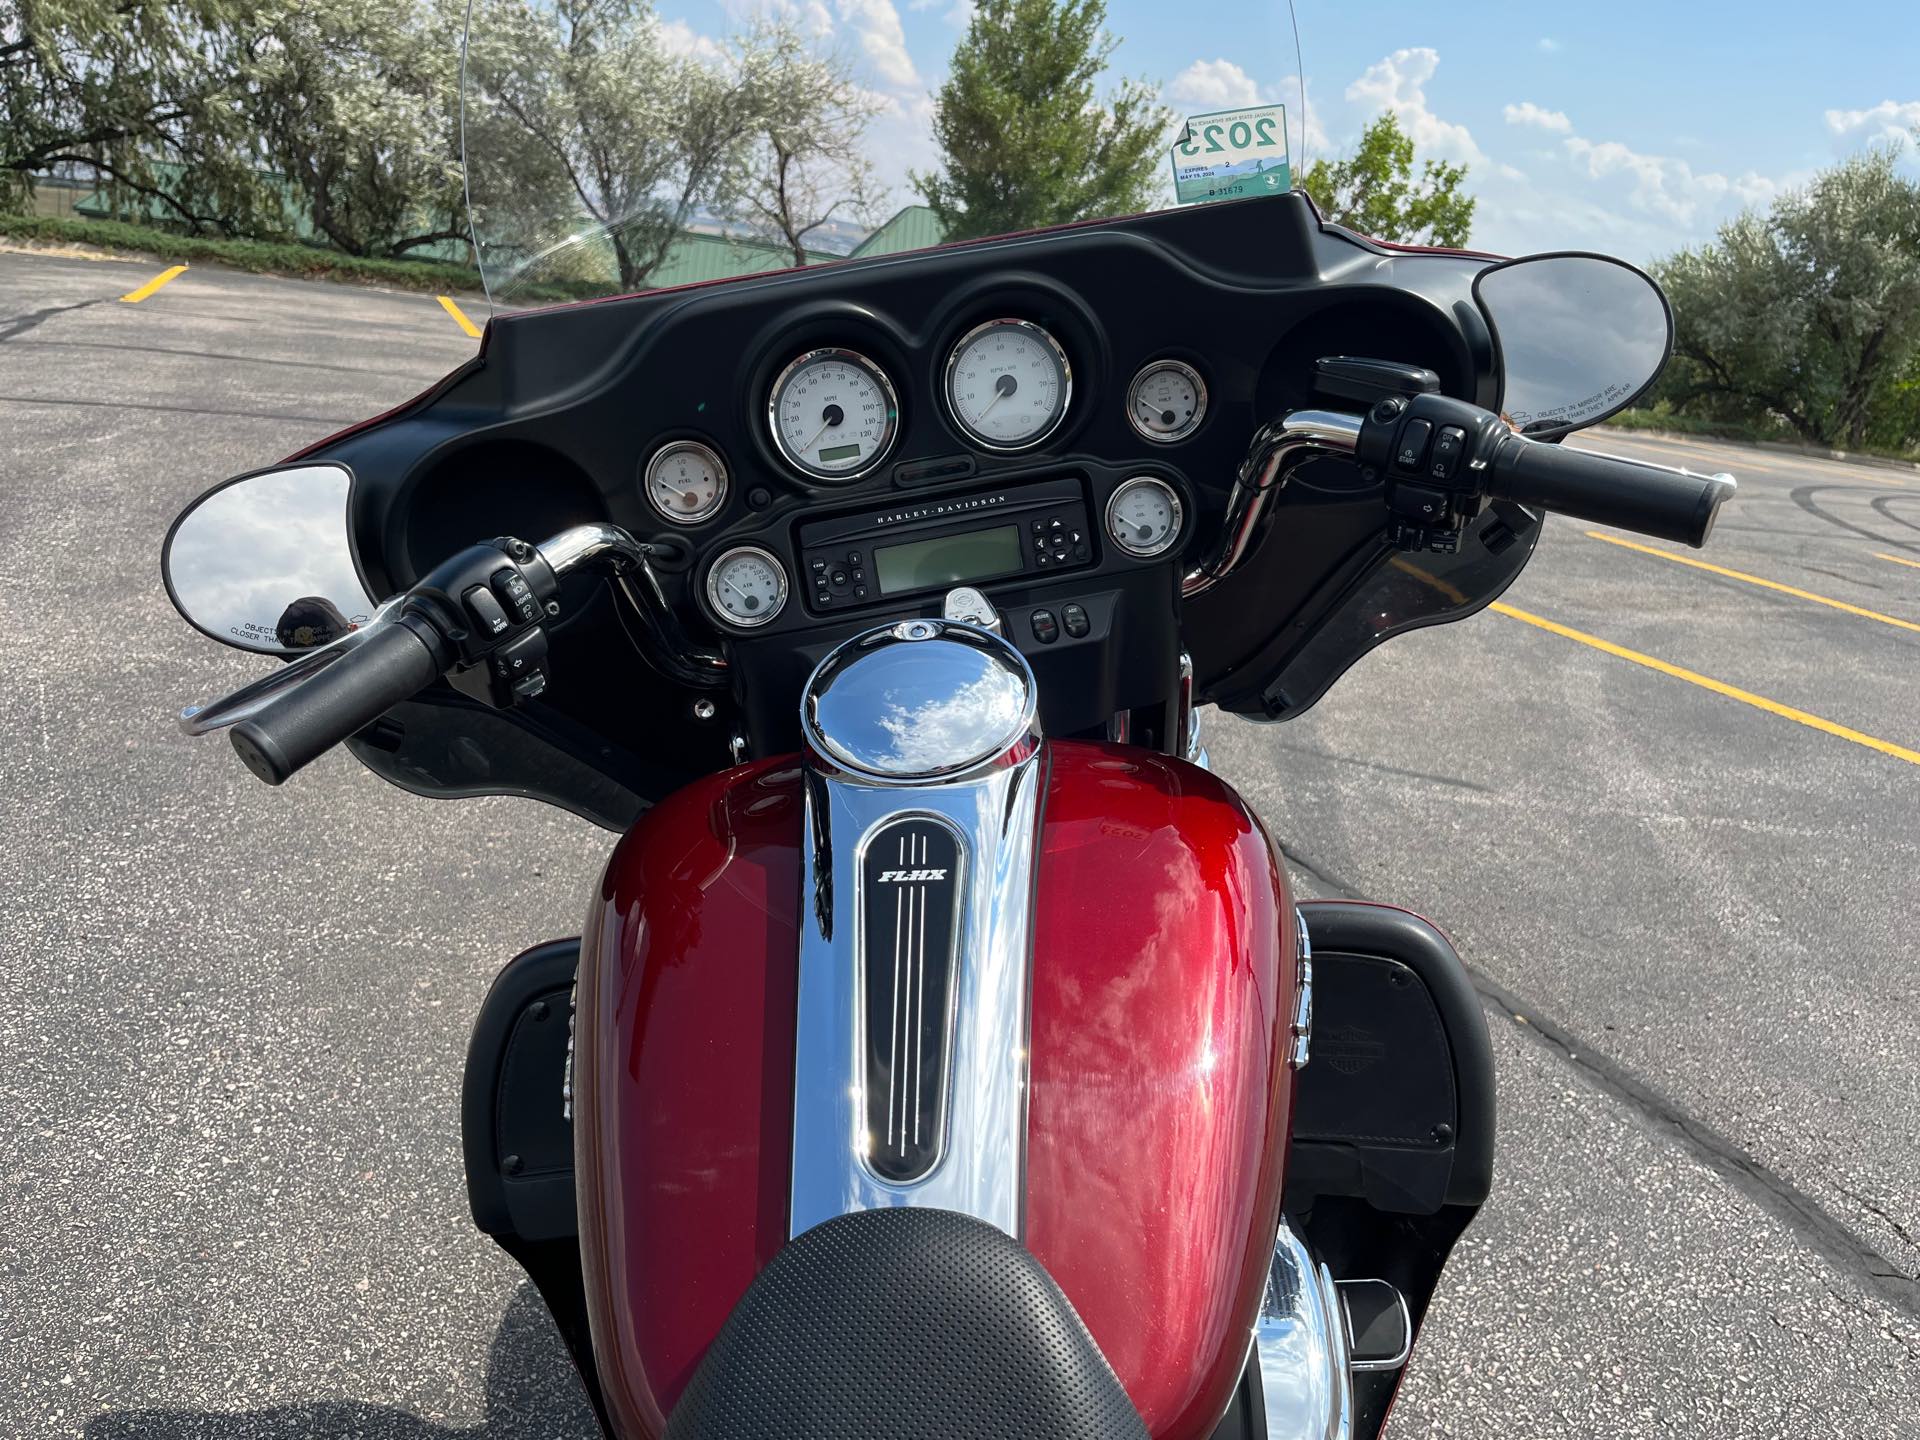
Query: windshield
x=613 y=146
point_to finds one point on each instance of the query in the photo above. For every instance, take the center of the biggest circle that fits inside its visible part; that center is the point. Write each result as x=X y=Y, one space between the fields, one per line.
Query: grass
x=260 y=256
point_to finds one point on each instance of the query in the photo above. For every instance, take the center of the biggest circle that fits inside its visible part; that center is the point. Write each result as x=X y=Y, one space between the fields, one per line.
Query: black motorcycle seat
x=904 y=1324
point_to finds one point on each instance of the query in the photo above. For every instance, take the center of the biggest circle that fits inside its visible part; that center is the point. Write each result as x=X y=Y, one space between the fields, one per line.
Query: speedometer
x=833 y=414
x=1008 y=384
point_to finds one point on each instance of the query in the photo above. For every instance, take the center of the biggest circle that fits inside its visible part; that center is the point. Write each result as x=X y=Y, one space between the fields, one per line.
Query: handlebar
x=1607 y=489
x=399 y=659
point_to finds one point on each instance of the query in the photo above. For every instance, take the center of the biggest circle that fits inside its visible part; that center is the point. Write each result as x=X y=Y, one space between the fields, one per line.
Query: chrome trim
x=727 y=617
x=723 y=482
x=1173 y=499
x=992 y=795
x=887 y=439
x=1066 y=385
x=665 y=642
x=967 y=605
x=920 y=701
x=1360 y=1367
x=1300 y=1342
x=1277 y=448
x=1170 y=437
x=595 y=544
x=1301 y=1029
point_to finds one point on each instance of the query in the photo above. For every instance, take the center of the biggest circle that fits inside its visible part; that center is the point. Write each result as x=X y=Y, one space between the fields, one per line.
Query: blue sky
x=1631 y=127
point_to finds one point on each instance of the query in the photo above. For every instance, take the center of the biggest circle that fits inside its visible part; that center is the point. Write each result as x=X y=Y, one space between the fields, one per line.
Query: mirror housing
x=1576 y=337
x=264 y=562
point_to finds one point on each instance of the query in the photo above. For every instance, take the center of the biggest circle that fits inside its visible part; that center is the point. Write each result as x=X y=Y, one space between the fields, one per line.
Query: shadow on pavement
x=532 y=1394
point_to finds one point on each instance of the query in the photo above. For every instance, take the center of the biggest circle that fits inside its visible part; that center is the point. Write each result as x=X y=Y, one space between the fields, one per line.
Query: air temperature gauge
x=1143 y=517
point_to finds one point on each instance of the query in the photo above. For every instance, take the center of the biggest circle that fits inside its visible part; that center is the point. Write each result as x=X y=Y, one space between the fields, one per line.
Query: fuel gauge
x=686 y=482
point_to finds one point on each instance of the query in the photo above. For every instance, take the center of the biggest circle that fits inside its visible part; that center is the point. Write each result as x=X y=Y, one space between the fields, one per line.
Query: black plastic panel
x=1396 y=1105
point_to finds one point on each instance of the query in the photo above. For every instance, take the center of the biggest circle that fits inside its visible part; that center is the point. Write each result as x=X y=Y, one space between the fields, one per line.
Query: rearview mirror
x=1576 y=338
x=264 y=562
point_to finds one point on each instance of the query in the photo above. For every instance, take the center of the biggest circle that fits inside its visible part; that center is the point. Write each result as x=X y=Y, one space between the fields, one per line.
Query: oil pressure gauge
x=1143 y=517
x=1167 y=401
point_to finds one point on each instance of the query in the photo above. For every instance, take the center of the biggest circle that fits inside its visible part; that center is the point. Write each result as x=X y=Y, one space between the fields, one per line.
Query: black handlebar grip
x=392 y=664
x=1667 y=504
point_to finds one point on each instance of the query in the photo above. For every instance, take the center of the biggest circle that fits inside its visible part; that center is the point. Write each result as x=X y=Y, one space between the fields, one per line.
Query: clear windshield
x=614 y=145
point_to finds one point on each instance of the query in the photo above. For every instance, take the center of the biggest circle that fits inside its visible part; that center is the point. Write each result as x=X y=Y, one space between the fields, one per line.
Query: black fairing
x=554 y=422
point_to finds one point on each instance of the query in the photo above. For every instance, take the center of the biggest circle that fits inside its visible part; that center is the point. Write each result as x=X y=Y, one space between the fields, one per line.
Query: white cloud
x=1547 y=46
x=1666 y=186
x=1889 y=120
x=1213 y=85
x=882 y=39
x=1397 y=85
x=1528 y=113
x=680 y=38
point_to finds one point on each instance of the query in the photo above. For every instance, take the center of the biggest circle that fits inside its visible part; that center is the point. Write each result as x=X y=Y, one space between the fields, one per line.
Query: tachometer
x=833 y=414
x=747 y=586
x=1008 y=384
x=1143 y=517
x=1167 y=401
x=686 y=482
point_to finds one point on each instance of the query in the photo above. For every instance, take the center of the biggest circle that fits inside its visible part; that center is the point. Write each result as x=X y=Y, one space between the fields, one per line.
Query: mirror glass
x=1579 y=337
x=264 y=563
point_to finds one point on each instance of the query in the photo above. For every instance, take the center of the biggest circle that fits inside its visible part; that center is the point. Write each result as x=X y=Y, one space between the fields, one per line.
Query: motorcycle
x=945 y=1051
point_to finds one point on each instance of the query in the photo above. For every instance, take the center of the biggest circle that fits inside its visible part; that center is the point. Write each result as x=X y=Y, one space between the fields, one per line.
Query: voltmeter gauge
x=1167 y=401
x=686 y=482
x=1008 y=384
x=747 y=586
x=1143 y=517
x=833 y=414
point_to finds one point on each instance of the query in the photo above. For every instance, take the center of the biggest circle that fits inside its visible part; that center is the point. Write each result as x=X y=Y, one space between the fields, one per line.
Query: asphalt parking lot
x=1670 y=815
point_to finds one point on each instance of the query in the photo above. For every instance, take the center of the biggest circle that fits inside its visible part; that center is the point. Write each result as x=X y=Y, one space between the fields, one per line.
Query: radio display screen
x=948 y=559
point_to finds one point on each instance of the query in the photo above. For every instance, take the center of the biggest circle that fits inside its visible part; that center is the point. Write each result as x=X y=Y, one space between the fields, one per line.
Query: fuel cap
x=919 y=701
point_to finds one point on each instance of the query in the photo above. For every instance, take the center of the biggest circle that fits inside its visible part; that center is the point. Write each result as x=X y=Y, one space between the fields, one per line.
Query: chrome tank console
x=924 y=778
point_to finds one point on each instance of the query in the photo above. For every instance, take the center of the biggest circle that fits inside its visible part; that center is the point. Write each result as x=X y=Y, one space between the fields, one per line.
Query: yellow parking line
x=1754 y=580
x=165 y=277
x=1719 y=687
x=459 y=316
x=1896 y=560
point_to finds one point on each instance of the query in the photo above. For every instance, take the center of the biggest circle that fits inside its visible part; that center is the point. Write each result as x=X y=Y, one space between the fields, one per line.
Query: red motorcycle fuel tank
x=1163 y=981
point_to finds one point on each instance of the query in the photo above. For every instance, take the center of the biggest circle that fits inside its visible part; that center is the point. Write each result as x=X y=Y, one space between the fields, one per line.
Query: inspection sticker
x=1232 y=153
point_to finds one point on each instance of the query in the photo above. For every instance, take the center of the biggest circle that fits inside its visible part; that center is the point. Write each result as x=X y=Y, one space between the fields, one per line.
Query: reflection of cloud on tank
x=927 y=737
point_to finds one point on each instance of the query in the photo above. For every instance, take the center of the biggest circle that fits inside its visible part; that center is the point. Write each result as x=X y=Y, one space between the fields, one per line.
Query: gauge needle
x=724 y=580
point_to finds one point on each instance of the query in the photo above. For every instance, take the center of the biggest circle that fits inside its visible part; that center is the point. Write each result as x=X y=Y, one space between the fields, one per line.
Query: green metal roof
x=913 y=228
x=694 y=258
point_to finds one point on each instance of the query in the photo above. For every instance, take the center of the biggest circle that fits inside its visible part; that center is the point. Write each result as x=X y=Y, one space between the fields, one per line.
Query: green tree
x=1024 y=138
x=807 y=161
x=147 y=93
x=1376 y=192
x=356 y=103
x=1809 y=314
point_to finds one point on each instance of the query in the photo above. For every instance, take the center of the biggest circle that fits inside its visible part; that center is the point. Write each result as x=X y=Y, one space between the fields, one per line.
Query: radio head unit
x=933 y=545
